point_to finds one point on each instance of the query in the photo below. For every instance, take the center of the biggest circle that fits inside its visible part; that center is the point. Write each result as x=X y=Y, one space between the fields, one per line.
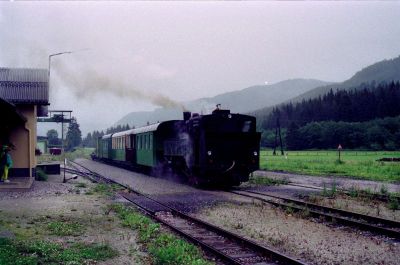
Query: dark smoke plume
x=86 y=83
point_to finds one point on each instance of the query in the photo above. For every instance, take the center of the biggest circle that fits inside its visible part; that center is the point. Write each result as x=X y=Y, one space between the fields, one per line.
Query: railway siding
x=313 y=242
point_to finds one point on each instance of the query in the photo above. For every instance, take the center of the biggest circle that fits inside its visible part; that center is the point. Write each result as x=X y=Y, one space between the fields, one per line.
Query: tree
x=74 y=135
x=52 y=136
x=293 y=141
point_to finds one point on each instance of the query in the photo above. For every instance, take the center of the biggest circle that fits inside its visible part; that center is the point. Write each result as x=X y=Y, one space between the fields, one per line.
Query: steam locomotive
x=221 y=148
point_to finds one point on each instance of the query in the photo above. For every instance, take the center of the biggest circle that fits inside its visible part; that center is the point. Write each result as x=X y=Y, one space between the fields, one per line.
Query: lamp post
x=62 y=112
x=62 y=121
x=56 y=54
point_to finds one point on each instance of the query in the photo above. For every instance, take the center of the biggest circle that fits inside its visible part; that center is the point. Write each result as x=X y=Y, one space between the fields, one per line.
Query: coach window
x=151 y=141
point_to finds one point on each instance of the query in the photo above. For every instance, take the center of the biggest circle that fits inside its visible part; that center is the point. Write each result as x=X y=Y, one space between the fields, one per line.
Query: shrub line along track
x=228 y=246
x=377 y=225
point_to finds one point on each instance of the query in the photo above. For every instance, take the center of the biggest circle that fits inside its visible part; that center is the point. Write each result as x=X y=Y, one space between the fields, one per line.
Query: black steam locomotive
x=216 y=149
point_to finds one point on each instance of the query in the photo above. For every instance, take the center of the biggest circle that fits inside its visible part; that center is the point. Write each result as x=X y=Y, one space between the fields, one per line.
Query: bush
x=41 y=175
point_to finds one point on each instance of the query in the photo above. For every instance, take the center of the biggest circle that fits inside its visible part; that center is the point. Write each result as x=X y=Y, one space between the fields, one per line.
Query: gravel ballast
x=341 y=182
x=173 y=193
x=312 y=242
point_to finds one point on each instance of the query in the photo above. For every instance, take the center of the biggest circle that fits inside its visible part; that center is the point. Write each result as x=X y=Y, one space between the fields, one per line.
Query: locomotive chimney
x=186 y=115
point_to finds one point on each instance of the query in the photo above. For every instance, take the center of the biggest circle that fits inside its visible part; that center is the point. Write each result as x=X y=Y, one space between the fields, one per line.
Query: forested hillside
x=344 y=105
x=367 y=119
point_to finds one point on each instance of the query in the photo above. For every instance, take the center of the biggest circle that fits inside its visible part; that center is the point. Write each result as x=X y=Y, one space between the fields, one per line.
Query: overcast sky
x=132 y=56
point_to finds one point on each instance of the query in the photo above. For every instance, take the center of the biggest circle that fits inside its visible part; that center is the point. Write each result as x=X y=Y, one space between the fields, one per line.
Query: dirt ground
x=26 y=215
x=313 y=242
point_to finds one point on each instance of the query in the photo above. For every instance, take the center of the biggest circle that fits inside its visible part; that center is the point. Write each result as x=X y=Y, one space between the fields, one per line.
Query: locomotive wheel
x=193 y=181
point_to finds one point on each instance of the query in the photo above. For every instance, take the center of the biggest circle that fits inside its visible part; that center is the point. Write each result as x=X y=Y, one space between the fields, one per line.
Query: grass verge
x=104 y=189
x=165 y=249
x=19 y=252
x=261 y=180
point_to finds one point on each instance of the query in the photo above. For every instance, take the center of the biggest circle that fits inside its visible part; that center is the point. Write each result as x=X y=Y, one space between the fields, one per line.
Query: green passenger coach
x=146 y=145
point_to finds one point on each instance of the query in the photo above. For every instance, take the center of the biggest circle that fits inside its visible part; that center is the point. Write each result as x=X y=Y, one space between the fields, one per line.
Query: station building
x=24 y=96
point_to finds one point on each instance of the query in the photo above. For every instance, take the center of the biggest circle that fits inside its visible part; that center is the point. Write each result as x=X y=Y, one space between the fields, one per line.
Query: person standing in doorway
x=5 y=163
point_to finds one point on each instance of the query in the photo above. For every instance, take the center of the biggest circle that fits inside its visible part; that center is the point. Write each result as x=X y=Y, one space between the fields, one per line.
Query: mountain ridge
x=239 y=101
x=387 y=70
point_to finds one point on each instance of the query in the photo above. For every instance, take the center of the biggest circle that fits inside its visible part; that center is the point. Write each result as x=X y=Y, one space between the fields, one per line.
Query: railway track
x=229 y=247
x=359 y=193
x=373 y=224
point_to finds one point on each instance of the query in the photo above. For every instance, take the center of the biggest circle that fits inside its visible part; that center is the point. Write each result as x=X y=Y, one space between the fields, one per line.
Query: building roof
x=24 y=86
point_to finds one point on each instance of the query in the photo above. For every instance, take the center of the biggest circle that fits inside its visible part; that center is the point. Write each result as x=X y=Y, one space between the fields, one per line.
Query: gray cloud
x=186 y=50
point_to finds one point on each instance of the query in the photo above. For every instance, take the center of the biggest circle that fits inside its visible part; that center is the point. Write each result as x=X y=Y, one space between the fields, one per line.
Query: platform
x=17 y=184
x=49 y=167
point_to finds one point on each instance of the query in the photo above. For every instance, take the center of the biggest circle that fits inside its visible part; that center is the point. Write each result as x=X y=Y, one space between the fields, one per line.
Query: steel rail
x=340 y=216
x=361 y=193
x=259 y=250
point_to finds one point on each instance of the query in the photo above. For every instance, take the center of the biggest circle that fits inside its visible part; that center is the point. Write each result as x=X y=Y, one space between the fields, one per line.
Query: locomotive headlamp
x=255 y=153
x=209 y=153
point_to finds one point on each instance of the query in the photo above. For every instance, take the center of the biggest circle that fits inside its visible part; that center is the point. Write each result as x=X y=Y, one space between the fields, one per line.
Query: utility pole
x=280 y=136
x=278 y=131
x=276 y=141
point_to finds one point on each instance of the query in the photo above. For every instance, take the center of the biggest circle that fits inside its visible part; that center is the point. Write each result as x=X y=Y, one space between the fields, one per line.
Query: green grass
x=357 y=164
x=20 y=252
x=64 y=228
x=261 y=180
x=165 y=249
x=81 y=185
x=41 y=175
x=78 y=153
x=104 y=189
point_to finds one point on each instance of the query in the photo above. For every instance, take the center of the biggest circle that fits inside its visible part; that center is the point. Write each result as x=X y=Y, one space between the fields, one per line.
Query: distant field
x=359 y=164
x=78 y=153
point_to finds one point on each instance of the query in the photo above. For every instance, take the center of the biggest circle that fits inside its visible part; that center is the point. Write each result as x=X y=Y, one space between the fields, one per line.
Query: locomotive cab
x=226 y=147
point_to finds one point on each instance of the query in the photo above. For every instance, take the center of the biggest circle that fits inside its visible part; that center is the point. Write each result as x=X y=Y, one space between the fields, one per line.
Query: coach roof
x=148 y=128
